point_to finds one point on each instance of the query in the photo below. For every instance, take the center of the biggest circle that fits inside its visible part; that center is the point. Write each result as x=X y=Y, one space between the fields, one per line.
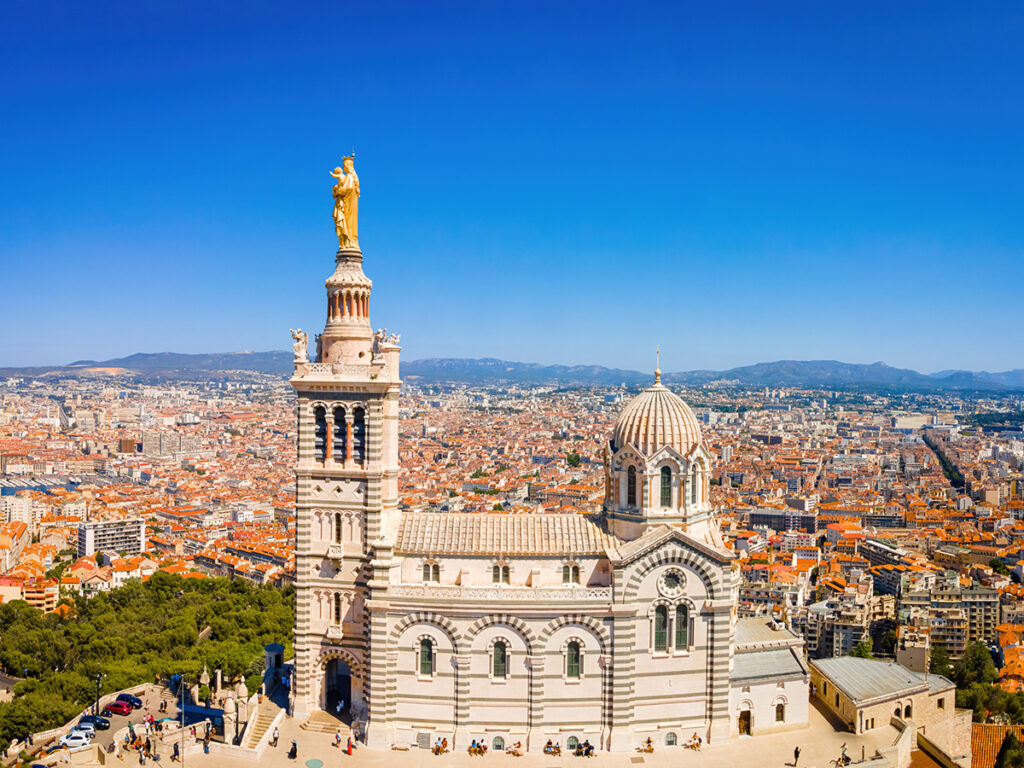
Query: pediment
x=667 y=452
x=661 y=536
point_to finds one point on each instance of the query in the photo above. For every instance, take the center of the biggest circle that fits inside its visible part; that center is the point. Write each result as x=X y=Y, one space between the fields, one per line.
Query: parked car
x=74 y=741
x=100 y=723
x=86 y=728
x=117 y=708
x=135 y=701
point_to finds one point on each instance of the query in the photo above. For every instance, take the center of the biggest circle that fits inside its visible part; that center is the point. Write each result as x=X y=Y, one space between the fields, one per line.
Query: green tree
x=975 y=667
x=99 y=559
x=999 y=566
x=1011 y=753
x=862 y=650
x=938 y=662
x=572 y=458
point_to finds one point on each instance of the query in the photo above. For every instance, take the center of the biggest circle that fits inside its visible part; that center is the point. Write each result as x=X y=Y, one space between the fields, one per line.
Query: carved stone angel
x=300 y=347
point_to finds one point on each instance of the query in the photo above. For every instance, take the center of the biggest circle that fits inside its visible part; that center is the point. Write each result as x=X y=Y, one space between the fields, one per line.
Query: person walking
x=796 y=756
x=274 y=741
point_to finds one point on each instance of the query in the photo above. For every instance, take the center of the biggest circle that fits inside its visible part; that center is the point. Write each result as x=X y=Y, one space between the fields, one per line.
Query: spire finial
x=657 y=369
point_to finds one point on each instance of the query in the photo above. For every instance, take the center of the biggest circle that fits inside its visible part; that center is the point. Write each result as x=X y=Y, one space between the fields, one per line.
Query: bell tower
x=346 y=474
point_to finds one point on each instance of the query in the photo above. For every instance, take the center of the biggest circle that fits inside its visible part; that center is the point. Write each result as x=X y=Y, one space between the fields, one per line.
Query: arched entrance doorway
x=338 y=688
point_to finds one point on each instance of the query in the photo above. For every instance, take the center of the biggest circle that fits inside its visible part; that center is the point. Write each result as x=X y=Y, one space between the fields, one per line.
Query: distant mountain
x=262 y=362
x=166 y=364
x=982 y=379
x=783 y=373
x=813 y=373
x=490 y=370
x=825 y=374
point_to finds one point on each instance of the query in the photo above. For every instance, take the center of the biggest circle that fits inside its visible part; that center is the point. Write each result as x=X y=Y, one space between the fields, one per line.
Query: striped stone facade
x=495 y=628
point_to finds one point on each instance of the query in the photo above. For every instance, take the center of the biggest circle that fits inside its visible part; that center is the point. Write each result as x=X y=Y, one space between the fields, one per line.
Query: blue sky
x=551 y=181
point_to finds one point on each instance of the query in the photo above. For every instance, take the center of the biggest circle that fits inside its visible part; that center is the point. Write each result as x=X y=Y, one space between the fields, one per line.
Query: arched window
x=631 y=487
x=426 y=657
x=320 y=433
x=570 y=574
x=431 y=572
x=661 y=628
x=670 y=739
x=498 y=745
x=573 y=661
x=780 y=713
x=571 y=743
x=339 y=438
x=499 y=660
x=359 y=435
x=682 y=627
x=500 y=574
x=666 y=487
x=693 y=486
x=337 y=527
x=337 y=608
x=906 y=712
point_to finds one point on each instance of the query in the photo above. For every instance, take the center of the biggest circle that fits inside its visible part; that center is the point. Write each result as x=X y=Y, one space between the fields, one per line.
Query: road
x=117 y=722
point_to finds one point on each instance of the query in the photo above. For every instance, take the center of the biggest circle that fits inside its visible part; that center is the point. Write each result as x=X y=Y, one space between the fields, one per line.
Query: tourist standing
x=796 y=756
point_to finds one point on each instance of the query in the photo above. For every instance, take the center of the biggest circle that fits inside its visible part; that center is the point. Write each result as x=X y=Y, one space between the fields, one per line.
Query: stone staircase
x=265 y=715
x=325 y=722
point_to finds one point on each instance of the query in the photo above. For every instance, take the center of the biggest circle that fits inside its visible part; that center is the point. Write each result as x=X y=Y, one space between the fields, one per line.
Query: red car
x=117 y=708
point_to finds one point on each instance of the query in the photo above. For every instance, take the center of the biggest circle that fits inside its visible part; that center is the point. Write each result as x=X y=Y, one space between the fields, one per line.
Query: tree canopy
x=862 y=650
x=130 y=635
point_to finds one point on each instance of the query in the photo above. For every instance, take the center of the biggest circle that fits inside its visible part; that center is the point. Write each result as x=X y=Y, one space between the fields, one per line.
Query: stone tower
x=346 y=478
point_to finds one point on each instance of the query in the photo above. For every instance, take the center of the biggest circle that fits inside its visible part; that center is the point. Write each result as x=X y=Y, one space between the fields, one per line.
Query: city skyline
x=803 y=185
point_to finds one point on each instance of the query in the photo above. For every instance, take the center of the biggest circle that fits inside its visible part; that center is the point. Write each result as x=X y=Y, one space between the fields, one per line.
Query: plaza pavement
x=819 y=744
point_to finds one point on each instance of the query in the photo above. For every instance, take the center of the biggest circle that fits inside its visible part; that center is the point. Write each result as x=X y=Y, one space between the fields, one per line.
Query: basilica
x=613 y=628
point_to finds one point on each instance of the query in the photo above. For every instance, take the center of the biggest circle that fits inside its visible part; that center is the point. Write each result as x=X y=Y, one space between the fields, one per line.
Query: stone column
x=621 y=668
x=379 y=670
x=460 y=736
x=718 y=613
x=535 y=665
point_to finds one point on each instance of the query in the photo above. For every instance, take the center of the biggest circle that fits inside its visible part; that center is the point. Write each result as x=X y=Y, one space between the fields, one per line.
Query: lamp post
x=96 y=706
x=181 y=711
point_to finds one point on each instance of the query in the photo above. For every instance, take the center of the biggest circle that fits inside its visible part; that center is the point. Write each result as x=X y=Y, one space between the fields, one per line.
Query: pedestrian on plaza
x=796 y=756
x=349 y=746
x=274 y=742
x=337 y=738
x=174 y=754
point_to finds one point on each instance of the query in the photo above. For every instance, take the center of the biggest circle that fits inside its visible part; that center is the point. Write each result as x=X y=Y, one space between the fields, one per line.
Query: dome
x=656 y=418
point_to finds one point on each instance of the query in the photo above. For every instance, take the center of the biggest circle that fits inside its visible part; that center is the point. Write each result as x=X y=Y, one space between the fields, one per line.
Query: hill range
x=782 y=373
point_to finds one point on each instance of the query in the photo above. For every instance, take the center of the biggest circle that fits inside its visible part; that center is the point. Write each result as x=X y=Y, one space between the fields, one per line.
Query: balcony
x=345 y=629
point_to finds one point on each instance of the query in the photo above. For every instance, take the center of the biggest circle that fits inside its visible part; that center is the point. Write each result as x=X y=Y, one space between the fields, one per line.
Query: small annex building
x=865 y=694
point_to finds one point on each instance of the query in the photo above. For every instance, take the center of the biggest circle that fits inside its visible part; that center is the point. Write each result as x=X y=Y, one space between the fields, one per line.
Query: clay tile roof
x=499 y=534
x=986 y=739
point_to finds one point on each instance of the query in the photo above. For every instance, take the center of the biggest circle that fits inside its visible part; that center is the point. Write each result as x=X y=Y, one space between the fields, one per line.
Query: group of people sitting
x=694 y=742
x=552 y=749
x=647 y=747
x=584 y=749
x=516 y=750
x=478 y=748
x=440 y=746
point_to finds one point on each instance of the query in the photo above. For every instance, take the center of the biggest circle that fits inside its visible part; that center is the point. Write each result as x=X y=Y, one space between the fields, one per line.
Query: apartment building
x=956 y=615
x=122 y=536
